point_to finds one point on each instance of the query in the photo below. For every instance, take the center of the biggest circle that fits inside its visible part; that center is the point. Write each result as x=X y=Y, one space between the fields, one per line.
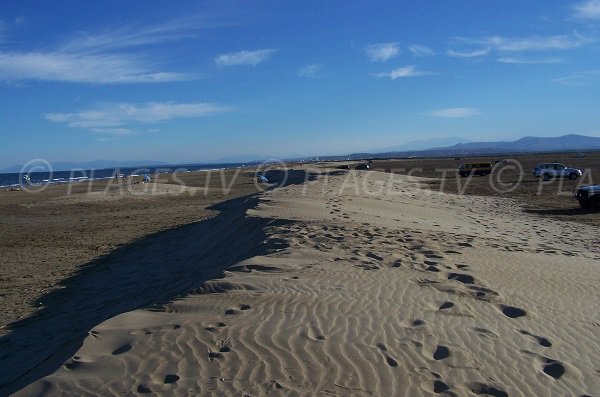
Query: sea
x=12 y=180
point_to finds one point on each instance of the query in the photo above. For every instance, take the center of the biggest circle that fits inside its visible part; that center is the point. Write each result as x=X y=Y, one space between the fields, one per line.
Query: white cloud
x=421 y=50
x=407 y=71
x=537 y=43
x=128 y=37
x=588 y=9
x=453 y=112
x=117 y=118
x=113 y=131
x=99 y=58
x=579 y=78
x=244 y=57
x=526 y=61
x=310 y=70
x=476 y=47
x=81 y=68
x=468 y=54
x=382 y=52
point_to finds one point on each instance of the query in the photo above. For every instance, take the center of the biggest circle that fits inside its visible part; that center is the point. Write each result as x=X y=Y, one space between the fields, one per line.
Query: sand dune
x=350 y=285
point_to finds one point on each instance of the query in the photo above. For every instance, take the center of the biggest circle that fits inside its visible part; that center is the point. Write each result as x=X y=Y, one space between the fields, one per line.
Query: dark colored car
x=589 y=197
x=475 y=169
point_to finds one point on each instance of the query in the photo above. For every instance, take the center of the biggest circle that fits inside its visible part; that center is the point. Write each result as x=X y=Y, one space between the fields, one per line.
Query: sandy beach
x=357 y=283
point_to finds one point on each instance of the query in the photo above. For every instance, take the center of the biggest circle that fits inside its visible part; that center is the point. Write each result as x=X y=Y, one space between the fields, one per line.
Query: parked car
x=467 y=169
x=589 y=196
x=548 y=171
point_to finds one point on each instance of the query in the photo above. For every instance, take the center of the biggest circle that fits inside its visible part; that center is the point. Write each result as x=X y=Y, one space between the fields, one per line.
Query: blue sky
x=192 y=81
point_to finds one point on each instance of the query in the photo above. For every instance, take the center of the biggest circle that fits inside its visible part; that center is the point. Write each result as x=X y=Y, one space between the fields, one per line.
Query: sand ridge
x=366 y=292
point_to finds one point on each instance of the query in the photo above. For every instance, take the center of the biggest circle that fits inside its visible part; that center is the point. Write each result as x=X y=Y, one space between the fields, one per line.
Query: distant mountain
x=530 y=144
x=422 y=148
x=91 y=165
x=424 y=144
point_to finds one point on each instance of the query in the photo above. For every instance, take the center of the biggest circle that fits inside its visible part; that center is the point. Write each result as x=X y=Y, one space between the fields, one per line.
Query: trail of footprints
x=406 y=249
x=409 y=251
x=380 y=248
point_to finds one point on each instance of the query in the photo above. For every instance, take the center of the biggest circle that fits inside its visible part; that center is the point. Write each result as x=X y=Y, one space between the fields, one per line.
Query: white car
x=548 y=171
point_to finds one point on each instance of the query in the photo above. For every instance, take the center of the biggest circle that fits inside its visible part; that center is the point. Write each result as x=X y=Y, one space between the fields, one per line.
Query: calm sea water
x=16 y=179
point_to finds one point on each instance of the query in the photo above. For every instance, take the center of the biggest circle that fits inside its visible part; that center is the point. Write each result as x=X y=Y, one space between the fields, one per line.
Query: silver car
x=547 y=171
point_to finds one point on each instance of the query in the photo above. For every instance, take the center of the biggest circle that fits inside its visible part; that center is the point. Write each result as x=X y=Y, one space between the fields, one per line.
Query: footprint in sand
x=512 y=311
x=462 y=278
x=390 y=361
x=123 y=349
x=539 y=339
x=441 y=353
x=440 y=387
x=486 y=333
x=233 y=311
x=171 y=378
x=482 y=389
x=315 y=334
x=374 y=256
x=143 y=389
x=553 y=368
x=213 y=326
x=214 y=355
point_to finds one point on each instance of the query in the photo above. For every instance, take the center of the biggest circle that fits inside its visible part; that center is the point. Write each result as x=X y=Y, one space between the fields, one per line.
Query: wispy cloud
x=407 y=71
x=132 y=36
x=468 y=54
x=244 y=57
x=477 y=47
x=81 y=68
x=114 y=131
x=453 y=112
x=121 y=118
x=100 y=58
x=310 y=70
x=421 y=50
x=538 y=43
x=382 y=52
x=528 y=61
x=588 y=9
x=579 y=78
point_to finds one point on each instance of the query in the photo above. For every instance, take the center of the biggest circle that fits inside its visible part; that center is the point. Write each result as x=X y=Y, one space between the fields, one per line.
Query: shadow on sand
x=146 y=273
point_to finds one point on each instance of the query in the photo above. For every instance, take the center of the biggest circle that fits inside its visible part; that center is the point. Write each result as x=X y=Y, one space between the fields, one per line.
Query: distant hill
x=531 y=144
x=430 y=148
x=423 y=144
x=528 y=144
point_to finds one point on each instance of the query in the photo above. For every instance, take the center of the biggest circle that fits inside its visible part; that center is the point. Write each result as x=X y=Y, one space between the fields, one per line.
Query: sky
x=195 y=81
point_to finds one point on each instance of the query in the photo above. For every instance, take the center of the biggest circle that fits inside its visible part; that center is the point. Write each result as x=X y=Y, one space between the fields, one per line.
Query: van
x=475 y=169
